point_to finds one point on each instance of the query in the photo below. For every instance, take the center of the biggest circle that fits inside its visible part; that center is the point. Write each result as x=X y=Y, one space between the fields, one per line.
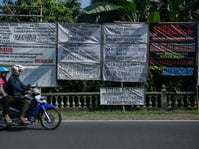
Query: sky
x=84 y=3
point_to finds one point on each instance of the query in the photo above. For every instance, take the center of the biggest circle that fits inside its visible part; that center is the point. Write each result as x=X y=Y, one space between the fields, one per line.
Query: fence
x=153 y=100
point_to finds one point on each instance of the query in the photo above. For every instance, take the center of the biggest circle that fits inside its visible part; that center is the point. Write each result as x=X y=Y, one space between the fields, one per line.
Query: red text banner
x=172 y=48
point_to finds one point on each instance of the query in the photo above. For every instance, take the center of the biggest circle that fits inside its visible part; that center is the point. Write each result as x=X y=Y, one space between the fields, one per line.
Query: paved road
x=105 y=135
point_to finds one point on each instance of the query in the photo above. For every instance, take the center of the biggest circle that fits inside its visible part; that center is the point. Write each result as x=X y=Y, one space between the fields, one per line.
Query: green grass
x=130 y=115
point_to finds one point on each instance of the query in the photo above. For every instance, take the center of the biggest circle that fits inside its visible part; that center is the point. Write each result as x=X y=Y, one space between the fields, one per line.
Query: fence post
x=164 y=97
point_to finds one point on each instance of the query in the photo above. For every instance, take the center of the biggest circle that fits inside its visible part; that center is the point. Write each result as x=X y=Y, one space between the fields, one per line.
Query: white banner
x=71 y=52
x=79 y=33
x=125 y=52
x=25 y=54
x=32 y=45
x=79 y=51
x=122 y=96
x=78 y=71
x=125 y=33
x=27 y=33
x=42 y=76
x=126 y=71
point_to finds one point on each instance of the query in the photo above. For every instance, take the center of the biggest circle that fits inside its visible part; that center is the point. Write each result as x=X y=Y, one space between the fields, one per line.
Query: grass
x=131 y=115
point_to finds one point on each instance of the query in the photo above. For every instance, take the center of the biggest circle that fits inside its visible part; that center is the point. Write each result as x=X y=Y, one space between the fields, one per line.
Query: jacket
x=15 y=87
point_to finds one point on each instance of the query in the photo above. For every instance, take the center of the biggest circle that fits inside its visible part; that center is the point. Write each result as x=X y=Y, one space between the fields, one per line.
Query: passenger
x=4 y=98
x=17 y=89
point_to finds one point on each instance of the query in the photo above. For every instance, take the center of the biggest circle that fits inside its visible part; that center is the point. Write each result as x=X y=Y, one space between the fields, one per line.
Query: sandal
x=24 y=122
x=8 y=121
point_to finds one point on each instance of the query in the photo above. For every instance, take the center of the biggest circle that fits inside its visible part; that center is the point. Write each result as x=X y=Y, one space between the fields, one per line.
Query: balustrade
x=153 y=100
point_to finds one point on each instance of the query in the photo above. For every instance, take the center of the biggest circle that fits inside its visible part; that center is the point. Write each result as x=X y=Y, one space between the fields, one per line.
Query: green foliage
x=100 y=7
x=142 y=11
x=52 y=11
x=179 y=11
x=124 y=10
x=154 y=18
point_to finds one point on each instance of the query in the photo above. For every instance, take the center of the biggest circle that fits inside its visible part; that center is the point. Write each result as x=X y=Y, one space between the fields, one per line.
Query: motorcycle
x=39 y=112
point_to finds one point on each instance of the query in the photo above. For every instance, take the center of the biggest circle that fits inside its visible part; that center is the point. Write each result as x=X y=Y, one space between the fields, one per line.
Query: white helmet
x=17 y=68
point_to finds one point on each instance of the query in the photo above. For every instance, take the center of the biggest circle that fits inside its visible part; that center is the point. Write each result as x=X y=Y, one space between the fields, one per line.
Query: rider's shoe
x=8 y=121
x=24 y=121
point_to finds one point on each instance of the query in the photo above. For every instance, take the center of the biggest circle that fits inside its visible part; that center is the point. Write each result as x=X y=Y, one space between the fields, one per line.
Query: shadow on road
x=22 y=128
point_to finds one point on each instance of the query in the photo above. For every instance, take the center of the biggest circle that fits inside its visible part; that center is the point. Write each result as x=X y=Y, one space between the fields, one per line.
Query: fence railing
x=153 y=100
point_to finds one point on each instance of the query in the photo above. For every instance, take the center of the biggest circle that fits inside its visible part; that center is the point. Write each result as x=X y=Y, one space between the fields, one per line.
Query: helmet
x=17 y=68
x=4 y=69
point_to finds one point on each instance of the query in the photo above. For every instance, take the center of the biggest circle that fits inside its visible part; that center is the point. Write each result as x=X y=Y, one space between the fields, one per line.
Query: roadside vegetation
x=131 y=115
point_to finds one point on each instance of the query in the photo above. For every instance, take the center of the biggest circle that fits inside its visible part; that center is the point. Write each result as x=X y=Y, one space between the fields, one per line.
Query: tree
x=50 y=10
x=141 y=11
x=179 y=10
x=75 y=7
x=120 y=10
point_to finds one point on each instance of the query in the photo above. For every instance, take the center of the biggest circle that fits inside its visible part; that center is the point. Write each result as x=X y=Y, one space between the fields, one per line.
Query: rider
x=4 y=98
x=17 y=89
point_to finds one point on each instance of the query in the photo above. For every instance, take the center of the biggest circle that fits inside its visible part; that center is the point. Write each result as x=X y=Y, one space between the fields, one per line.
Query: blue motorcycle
x=39 y=112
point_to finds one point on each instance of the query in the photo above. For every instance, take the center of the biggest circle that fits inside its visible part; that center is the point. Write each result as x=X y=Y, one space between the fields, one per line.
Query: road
x=105 y=135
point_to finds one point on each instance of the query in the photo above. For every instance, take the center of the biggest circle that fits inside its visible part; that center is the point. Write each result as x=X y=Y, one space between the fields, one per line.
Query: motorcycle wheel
x=51 y=119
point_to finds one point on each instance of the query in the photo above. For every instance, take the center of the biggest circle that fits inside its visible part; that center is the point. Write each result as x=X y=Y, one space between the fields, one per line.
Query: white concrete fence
x=153 y=100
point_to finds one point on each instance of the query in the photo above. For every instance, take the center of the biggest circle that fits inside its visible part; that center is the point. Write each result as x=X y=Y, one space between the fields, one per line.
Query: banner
x=42 y=76
x=172 y=49
x=77 y=33
x=122 y=96
x=125 y=33
x=79 y=52
x=125 y=71
x=25 y=54
x=125 y=52
x=176 y=32
x=173 y=46
x=73 y=52
x=27 y=33
x=79 y=71
x=32 y=45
